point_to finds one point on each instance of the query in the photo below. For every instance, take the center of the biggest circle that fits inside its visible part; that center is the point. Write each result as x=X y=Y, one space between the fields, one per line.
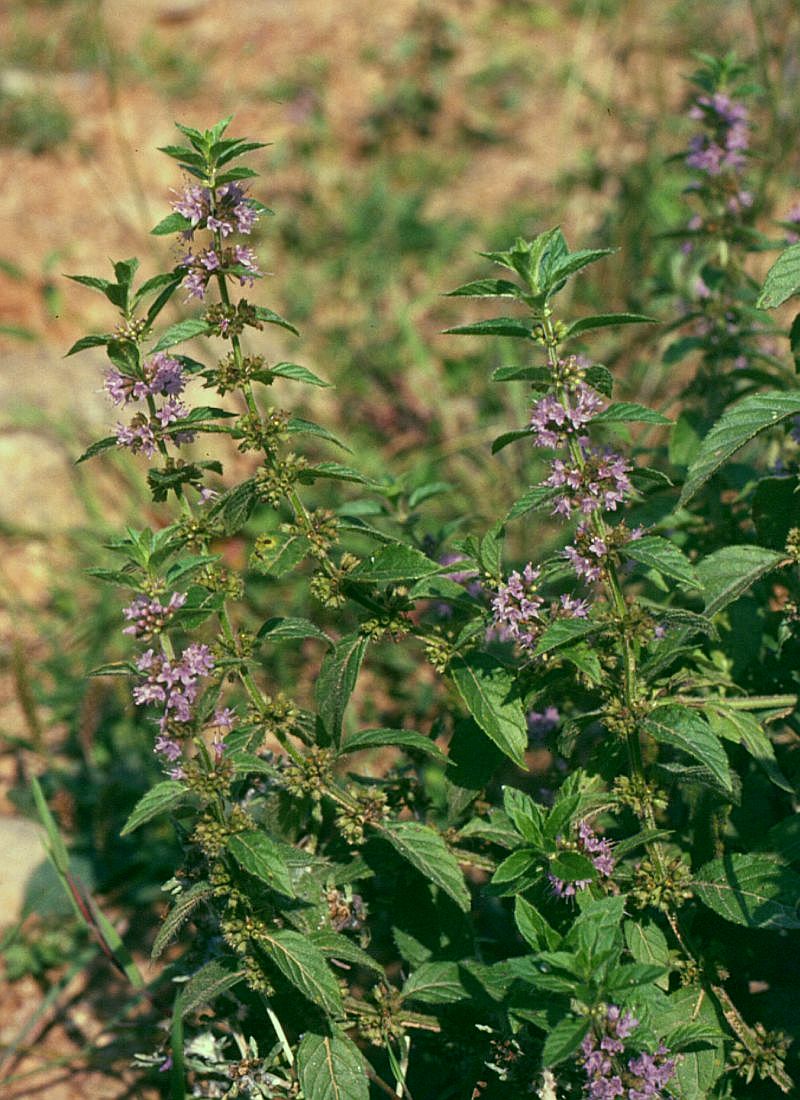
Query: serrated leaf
x=207 y=983
x=487 y=288
x=564 y=1040
x=745 y=729
x=538 y=497
x=525 y=815
x=573 y=867
x=287 y=551
x=741 y=423
x=629 y=412
x=180 y=912
x=783 y=279
x=393 y=564
x=183 y=330
x=688 y=731
x=515 y=866
x=298 y=374
x=298 y=424
x=435 y=983
x=292 y=628
x=94 y=341
x=173 y=223
x=533 y=927
x=489 y=693
x=335 y=471
x=426 y=850
x=256 y=854
x=303 y=963
x=514 y=436
x=158 y=800
x=337 y=678
x=336 y=946
x=727 y=573
x=561 y=632
x=495 y=326
x=607 y=320
x=661 y=554
x=691 y=1035
x=404 y=739
x=97 y=448
x=575 y=261
x=648 y=944
x=269 y=317
x=750 y=889
x=331 y=1068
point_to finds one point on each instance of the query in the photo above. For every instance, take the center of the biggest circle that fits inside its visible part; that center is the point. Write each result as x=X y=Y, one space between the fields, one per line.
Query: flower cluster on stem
x=612 y=1072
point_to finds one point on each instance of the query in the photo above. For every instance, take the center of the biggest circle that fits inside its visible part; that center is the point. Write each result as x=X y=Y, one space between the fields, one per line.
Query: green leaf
x=496 y=326
x=393 y=564
x=285 y=552
x=404 y=739
x=741 y=423
x=605 y=320
x=100 y=340
x=331 y=1068
x=754 y=890
x=162 y=798
x=298 y=374
x=427 y=851
x=727 y=573
x=256 y=854
x=235 y=506
x=784 y=838
x=574 y=262
x=206 y=984
x=489 y=693
x=515 y=866
x=182 y=909
x=745 y=729
x=97 y=448
x=533 y=927
x=337 y=678
x=334 y=470
x=573 y=867
x=514 y=436
x=536 y=498
x=688 y=731
x=336 y=946
x=628 y=411
x=648 y=944
x=564 y=1040
x=183 y=330
x=303 y=963
x=292 y=628
x=173 y=223
x=561 y=632
x=526 y=816
x=435 y=983
x=783 y=279
x=487 y=288
x=298 y=424
x=661 y=554
x=269 y=317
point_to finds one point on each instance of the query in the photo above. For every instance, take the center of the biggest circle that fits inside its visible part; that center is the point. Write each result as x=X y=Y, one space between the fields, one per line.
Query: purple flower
x=517 y=607
x=138 y=435
x=642 y=1077
x=596 y=848
x=541 y=724
x=193 y=204
x=224 y=718
x=149 y=617
x=168 y=747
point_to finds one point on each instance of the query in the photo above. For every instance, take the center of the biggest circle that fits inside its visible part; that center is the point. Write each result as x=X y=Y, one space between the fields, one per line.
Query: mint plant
x=468 y=922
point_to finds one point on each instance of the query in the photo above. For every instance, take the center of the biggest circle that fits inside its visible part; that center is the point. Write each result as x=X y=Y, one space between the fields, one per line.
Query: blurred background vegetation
x=404 y=138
